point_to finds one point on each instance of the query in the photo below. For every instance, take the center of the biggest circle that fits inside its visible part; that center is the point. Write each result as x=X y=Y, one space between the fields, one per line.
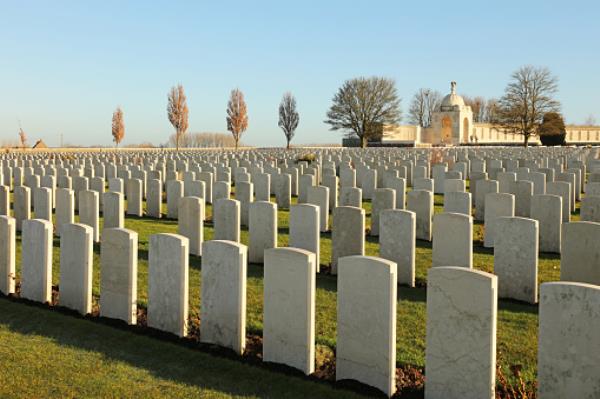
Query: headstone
x=369 y=183
x=113 y=210
x=262 y=186
x=496 y=205
x=347 y=234
x=304 y=229
x=89 y=211
x=4 y=201
x=505 y=181
x=332 y=183
x=351 y=196
x=452 y=240
x=569 y=342
x=484 y=187
x=304 y=182
x=36 y=260
x=516 y=258
x=590 y=209
x=118 y=274
x=367 y=301
x=154 y=198
x=8 y=273
x=221 y=189
x=283 y=191
x=174 y=193
x=460 y=352
x=319 y=196
x=383 y=198
x=397 y=237
x=22 y=205
x=421 y=203
x=547 y=210
x=580 y=252
x=190 y=222
x=43 y=203
x=76 y=263
x=65 y=208
x=134 y=197
x=244 y=194
x=223 y=306
x=289 y=308
x=523 y=191
x=458 y=202
x=168 y=275
x=563 y=190
x=226 y=220
x=263 y=230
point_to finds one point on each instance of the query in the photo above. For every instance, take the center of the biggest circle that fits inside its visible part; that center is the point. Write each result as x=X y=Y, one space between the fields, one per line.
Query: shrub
x=306 y=157
x=552 y=129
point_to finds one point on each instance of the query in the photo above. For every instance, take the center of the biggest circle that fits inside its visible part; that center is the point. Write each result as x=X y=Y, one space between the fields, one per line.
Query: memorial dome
x=452 y=100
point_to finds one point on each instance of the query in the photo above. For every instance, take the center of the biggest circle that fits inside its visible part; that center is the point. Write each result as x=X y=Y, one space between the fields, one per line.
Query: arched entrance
x=466 y=130
x=446 y=130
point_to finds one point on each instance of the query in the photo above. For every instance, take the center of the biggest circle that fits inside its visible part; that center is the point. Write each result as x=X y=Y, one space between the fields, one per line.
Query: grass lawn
x=45 y=353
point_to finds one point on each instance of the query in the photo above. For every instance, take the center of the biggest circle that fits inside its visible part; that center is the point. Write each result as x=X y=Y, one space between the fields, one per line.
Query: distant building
x=453 y=124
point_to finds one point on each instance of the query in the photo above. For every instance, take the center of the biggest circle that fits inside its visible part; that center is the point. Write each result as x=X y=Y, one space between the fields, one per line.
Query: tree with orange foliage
x=237 y=115
x=177 y=110
x=118 y=126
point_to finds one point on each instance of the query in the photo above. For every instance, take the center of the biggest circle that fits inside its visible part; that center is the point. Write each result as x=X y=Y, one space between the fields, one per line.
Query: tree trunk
x=363 y=141
x=288 y=145
x=526 y=142
x=236 y=143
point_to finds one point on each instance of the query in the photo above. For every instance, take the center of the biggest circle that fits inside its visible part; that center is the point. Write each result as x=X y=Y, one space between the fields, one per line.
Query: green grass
x=48 y=354
x=66 y=339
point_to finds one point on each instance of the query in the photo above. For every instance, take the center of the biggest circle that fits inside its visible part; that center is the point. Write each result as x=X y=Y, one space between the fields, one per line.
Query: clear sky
x=66 y=65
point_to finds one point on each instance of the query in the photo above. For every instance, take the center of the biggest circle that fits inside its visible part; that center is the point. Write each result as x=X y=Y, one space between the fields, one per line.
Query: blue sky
x=65 y=66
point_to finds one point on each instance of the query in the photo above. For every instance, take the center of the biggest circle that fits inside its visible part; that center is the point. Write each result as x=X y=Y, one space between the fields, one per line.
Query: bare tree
x=424 y=103
x=237 y=115
x=418 y=108
x=22 y=137
x=590 y=120
x=363 y=105
x=433 y=101
x=118 y=126
x=527 y=97
x=288 y=117
x=203 y=140
x=177 y=110
x=491 y=110
x=478 y=106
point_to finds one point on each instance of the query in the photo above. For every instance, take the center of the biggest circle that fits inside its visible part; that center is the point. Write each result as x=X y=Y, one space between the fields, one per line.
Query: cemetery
x=436 y=272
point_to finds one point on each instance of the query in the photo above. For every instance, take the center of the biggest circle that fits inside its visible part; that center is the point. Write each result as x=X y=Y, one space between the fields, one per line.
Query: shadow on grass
x=181 y=360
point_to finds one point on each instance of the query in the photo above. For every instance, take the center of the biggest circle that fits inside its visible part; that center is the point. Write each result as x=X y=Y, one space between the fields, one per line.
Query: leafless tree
x=363 y=105
x=288 y=117
x=422 y=106
x=203 y=140
x=478 y=106
x=590 y=120
x=22 y=137
x=491 y=110
x=433 y=101
x=527 y=97
x=118 y=126
x=237 y=115
x=418 y=108
x=177 y=110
